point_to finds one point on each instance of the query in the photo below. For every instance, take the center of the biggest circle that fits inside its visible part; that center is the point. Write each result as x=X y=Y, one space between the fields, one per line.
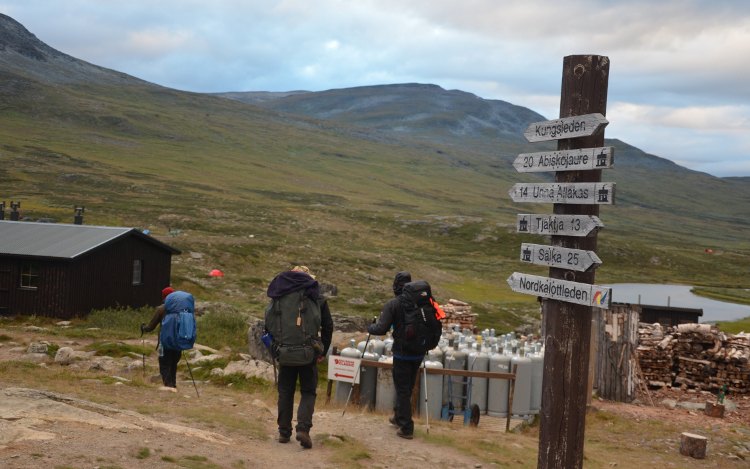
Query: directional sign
x=567 y=127
x=343 y=369
x=588 y=193
x=570 y=292
x=556 y=256
x=557 y=225
x=565 y=160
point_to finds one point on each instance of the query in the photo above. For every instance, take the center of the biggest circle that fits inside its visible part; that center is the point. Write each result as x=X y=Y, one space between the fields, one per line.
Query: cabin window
x=29 y=275
x=137 y=272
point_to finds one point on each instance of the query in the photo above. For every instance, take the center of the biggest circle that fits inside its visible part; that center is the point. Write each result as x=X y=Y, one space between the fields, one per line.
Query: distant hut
x=63 y=270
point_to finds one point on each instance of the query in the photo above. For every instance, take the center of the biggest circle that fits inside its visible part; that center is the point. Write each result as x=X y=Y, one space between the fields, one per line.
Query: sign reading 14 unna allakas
x=562 y=290
x=571 y=193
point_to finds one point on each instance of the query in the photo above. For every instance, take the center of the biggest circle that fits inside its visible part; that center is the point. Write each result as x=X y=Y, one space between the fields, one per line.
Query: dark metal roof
x=61 y=241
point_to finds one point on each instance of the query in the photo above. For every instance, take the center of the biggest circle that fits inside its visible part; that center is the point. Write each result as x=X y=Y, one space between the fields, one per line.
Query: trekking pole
x=143 y=353
x=426 y=403
x=191 y=374
x=356 y=373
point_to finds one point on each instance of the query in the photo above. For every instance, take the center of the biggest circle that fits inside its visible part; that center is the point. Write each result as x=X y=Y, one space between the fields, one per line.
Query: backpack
x=178 y=329
x=294 y=321
x=420 y=327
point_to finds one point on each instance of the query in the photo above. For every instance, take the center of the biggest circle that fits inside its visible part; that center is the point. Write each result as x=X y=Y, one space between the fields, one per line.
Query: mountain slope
x=374 y=188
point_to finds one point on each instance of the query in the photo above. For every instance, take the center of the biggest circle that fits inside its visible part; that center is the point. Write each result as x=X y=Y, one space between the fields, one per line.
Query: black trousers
x=404 y=377
x=308 y=384
x=168 y=367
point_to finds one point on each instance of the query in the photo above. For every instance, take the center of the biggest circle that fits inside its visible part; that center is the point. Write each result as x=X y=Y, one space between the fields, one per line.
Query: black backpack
x=419 y=329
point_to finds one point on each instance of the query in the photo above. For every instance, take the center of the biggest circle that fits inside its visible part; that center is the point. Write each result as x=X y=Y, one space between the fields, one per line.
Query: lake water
x=677 y=296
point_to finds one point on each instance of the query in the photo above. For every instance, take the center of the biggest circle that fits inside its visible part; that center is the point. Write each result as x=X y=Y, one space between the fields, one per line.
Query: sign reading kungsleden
x=562 y=290
x=567 y=127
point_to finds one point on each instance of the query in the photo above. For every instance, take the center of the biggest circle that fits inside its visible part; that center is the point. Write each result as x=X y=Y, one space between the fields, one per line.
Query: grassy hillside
x=253 y=191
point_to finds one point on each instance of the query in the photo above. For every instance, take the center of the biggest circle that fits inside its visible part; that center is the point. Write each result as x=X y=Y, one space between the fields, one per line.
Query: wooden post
x=567 y=325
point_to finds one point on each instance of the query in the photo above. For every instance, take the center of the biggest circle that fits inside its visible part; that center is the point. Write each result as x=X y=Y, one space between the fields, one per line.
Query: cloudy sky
x=679 y=77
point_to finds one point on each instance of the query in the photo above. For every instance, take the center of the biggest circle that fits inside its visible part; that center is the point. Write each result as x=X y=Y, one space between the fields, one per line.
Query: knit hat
x=166 y=291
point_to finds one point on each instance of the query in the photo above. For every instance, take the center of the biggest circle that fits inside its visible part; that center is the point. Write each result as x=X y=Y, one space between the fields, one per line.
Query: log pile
x=696 y=356
x=458 y=313
x=655 y=354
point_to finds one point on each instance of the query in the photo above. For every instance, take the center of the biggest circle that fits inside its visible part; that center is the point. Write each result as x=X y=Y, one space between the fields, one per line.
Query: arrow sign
x=557 y=225
x=567 y=127
x=565 y=160
x=556 y=256
x=562 y=290
x=589 y=193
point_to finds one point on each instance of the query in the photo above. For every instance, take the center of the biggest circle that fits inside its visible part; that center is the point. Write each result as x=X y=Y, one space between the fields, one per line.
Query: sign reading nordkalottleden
x=562 y=290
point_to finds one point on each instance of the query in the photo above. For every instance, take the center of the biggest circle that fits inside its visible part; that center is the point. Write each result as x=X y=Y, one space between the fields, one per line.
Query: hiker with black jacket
x=405 y=366
x=295 y=361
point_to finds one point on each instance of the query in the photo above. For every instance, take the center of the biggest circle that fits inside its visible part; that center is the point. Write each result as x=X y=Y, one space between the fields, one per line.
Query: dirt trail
x=86 y=423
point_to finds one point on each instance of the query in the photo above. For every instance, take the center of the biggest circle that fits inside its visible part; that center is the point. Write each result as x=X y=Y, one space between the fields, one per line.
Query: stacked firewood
x=655 y=354
x=458 y=313
x=701 y=356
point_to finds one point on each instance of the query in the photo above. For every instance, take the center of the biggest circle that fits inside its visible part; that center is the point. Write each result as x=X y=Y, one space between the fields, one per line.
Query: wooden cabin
x=63 y=270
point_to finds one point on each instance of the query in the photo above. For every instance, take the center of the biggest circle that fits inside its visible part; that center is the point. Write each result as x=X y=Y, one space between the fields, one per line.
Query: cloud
x=678 y=71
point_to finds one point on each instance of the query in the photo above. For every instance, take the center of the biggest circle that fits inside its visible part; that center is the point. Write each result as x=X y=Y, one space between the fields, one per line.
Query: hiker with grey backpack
x=300 y=326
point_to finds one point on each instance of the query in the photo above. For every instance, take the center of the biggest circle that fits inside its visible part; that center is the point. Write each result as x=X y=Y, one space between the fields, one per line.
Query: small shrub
x=143 y=453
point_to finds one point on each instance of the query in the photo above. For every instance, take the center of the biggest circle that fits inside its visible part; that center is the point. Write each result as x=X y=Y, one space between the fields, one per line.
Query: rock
x=217 y=372
x=255 y=346
x=37 y=347
x=34 y=329
x=35 y=357
x=64 y=356
x=63 y=323
x=206 y=359
x=669 y=403
x=251 y=368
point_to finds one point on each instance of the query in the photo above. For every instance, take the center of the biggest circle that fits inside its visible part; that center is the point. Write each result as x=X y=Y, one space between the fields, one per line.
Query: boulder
x=64 y=356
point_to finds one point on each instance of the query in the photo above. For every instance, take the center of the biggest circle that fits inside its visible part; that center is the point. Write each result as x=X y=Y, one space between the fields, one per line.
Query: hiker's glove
x=374 y=319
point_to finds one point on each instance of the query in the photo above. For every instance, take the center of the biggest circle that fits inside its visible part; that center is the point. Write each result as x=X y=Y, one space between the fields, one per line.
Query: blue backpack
x=178 y=330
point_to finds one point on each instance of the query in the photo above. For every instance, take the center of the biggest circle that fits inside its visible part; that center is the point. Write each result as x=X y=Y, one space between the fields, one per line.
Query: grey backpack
x=294 y=321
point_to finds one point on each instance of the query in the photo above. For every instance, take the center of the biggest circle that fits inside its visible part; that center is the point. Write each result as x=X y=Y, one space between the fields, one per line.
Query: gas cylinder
x=433 y=389
x=342 y=388
x=522 y=392
x=385 y=393
x=537 y=372
x=497 y=389
x=478 y=360
x=368 y=379
x=453 y=386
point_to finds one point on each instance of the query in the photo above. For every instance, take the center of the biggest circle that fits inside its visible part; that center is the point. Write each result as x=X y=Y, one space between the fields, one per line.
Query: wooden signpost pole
x=567 y=326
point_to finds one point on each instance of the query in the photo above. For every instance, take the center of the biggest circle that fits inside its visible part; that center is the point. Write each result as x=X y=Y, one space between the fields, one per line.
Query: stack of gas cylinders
x=457 y=350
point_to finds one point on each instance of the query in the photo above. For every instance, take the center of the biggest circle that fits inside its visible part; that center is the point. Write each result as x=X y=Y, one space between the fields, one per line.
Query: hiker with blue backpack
x=300 y=327
x=416 y=321
x=176 y=315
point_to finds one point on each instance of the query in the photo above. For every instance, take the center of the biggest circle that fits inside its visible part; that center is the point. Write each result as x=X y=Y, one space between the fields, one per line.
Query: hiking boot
x=283 y=438
x=304 y=439
x=392 y=420
x=405 y=435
